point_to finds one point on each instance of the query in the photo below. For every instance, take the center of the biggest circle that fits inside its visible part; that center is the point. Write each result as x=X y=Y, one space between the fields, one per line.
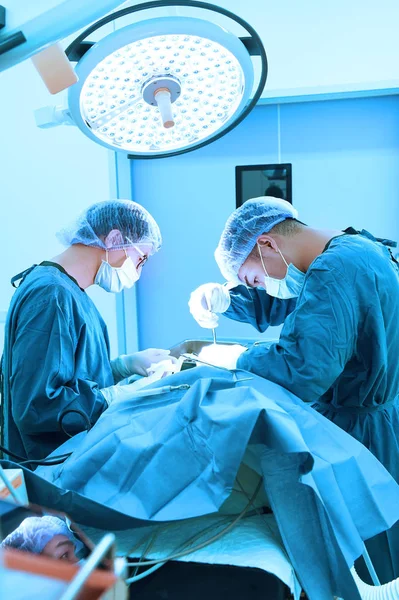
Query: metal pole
x=370 y=567
x=92 y=562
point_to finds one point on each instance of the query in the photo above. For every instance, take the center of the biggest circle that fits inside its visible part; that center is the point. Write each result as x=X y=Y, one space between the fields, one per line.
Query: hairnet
x=244 y=226
x=134 y=222
x=34 y=533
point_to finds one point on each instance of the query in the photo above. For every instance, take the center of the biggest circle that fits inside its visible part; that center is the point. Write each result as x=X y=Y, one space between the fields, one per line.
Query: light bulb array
x=211 y=80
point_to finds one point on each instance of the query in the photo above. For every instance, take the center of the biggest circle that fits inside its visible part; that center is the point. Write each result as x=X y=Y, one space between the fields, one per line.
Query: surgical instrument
x=193 y=358
x=213 y=328
x=214 y=334
x=161 y=390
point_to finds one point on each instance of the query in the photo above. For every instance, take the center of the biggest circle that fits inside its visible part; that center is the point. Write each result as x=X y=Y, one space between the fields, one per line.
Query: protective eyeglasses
x=143 y=258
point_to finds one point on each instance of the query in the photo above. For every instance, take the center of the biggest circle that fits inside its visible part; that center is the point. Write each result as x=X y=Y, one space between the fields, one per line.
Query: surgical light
x=165 y=85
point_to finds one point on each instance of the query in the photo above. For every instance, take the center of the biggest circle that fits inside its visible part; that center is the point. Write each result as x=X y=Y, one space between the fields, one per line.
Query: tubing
x=388 y=591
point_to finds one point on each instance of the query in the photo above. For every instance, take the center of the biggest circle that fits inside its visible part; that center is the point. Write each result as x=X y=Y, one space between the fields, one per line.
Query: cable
x=12 y=454
x=64 y=413
x=203 y=544
x=52 y=460
x=144 y=573
x=260 y=514
x=41 y=461
x=48 y=462
x=136 y=576
x=146 y=550
x=211 y=527
x=256 y=509
x=189 y=541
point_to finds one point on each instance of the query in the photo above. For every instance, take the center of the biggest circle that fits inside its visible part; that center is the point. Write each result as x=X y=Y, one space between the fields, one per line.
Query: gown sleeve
x=256 y=307
x=47 y=373
x=317 y=339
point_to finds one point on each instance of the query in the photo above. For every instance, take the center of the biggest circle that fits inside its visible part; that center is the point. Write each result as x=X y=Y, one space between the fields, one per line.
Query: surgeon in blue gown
x=337 y=293
x=57 y=374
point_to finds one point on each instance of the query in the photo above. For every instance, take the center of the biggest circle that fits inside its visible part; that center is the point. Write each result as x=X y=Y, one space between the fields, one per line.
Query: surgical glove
x=119 y=392
x=222 y=355
x=207 y=300
x=137 y=363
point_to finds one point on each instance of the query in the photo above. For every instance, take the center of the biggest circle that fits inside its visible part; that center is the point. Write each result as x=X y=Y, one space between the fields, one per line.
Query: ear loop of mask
x=135 y=247
x=261 y=260
x=263 y=264
x=106 y=257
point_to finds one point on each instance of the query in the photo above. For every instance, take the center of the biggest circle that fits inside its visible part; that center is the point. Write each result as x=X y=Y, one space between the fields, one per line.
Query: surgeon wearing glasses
x=56 y=364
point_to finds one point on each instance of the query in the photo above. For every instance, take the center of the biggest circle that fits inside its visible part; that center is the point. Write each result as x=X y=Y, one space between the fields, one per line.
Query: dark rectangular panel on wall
x=253 y=181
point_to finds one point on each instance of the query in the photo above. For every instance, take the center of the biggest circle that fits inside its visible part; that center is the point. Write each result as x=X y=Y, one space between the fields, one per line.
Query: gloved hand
x=118 y=392
x=137 y=363
x=222 y=355
x=205 y=301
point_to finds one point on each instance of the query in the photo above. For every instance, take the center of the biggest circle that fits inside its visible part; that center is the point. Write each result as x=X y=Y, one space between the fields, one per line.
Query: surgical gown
x=339 y=345
x=56 y=359
x=338 y=350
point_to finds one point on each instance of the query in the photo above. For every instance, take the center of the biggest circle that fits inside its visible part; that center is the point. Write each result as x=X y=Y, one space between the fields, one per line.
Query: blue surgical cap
x=133 y=221
x=244 y=226
x=34 y=533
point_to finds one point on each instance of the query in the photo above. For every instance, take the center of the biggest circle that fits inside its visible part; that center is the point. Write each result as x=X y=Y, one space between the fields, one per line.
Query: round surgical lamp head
x=163 y=86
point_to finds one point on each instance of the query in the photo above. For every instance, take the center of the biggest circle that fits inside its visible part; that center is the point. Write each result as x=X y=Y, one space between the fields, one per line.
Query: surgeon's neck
x=81 y=262
x=310 y=243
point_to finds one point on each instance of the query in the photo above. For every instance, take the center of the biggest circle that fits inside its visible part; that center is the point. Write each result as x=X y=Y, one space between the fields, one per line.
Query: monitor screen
x=253 y=181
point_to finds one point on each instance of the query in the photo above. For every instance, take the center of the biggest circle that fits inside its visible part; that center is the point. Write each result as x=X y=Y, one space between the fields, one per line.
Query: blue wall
x=48 y=177
x=345 y=157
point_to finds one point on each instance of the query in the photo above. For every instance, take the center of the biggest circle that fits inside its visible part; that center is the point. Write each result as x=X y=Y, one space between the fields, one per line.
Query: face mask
x=116 y=279
x=289 y=287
